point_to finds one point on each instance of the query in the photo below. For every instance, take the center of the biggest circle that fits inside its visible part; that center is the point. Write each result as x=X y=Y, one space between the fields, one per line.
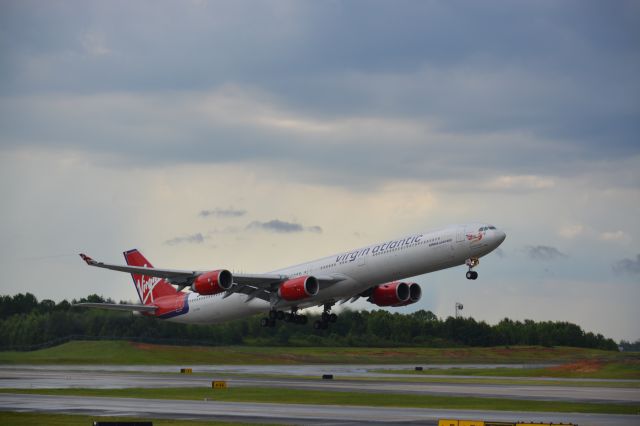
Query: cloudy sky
x=253 y=135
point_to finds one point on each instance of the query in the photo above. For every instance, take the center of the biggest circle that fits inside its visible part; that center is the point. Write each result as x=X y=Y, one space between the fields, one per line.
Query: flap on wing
x=117 y=307
x=258 y=280
x=329 y=280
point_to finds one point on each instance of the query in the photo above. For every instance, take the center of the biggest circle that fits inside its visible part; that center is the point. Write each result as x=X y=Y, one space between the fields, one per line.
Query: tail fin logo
x=145 y=286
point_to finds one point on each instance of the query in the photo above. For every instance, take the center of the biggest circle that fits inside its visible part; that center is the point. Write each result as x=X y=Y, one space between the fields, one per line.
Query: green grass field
x=122 y=352
x=8 y=418
x=297 y=396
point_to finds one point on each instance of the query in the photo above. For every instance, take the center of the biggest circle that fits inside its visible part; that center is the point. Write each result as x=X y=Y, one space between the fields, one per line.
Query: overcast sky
x=254 y=135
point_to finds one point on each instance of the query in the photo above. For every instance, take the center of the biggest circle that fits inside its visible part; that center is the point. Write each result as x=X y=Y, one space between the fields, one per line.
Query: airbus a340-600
x=373 y=272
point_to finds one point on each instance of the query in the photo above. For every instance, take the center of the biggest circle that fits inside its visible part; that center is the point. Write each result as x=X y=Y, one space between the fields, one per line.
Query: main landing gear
x=326 y=318
x=472 y=263
x=293 y=317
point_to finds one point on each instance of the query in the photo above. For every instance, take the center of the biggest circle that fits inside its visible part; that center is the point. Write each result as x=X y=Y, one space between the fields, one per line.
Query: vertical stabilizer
x=149 y=288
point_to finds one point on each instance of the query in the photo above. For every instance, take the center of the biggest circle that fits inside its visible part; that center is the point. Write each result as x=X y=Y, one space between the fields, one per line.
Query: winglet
x=87 y=259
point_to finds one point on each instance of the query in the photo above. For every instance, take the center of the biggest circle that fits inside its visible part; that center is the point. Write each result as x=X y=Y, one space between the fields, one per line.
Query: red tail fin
x=149 y=288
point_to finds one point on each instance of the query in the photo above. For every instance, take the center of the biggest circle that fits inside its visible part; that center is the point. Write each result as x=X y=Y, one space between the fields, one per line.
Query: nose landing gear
x=472 y=263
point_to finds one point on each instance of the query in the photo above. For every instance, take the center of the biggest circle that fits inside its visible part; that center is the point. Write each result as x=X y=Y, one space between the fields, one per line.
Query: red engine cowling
x=212 y=282
x=390 y=294
x=415 y=293
x=298 y=288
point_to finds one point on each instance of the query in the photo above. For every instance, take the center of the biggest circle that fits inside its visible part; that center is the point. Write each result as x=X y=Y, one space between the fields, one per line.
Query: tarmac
x=283 y=413
x=112 y=377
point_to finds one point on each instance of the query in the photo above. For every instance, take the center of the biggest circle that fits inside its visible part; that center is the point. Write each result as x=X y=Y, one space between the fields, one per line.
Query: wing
x=262 y=286
x=118 y=307
x=176 y=277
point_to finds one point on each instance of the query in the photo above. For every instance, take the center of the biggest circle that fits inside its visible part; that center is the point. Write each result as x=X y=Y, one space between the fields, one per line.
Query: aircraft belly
x=215 y=309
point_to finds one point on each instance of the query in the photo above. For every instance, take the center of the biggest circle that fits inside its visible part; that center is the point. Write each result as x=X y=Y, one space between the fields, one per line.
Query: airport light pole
x=459 y=307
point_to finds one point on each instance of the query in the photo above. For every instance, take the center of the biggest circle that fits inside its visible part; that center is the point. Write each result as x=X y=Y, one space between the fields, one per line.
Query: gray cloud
x=627 y=266
x=218 y=212
x=544 y=253
x=571 y=91
x=188 y=239
x=316 y=229
x=283 y=227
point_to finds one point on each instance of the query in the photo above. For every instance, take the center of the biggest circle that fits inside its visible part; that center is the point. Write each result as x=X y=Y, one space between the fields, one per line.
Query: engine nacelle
x=299 y=288
x=212 y=282
x=415 y=293
x=390 y=294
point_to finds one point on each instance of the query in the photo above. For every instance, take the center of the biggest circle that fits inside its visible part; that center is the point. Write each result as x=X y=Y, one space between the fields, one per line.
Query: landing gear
x=292 y=317
x=472 y=263
x=296 y=319
x=326 y=318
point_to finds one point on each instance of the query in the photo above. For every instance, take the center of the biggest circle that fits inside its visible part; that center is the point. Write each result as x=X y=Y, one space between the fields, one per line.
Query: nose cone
x=500 y=237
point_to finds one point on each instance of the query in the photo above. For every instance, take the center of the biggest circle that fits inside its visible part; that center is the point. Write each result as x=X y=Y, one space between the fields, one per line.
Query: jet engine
x=390 y=294
x=299 y=288
x=415 y=293
x=212 y=282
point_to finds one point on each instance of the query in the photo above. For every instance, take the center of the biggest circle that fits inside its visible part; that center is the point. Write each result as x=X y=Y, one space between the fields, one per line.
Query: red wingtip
x=87 y=259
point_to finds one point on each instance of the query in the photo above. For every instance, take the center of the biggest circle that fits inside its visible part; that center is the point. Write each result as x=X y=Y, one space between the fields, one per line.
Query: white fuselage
x=363 y=268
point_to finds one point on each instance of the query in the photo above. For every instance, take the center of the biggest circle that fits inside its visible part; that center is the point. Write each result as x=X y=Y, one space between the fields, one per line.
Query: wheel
x=303 y=319
x=289 y=318
x=272 y=322
x=264 y=322
x=325 y=317
x=318 y=325
x=324 y=325
x=280 y=315
x=470 y=275
x=333 y=318
x=474 y=275
x=273 y=314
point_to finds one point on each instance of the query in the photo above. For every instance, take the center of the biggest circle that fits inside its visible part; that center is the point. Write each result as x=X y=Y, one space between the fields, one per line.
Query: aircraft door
x=460 y=234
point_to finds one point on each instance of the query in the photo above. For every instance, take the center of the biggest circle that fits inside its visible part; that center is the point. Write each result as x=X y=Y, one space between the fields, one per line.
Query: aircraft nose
x=500 y=236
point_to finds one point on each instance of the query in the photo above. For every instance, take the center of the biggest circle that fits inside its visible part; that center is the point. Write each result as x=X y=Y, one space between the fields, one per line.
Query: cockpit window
x=492 y=227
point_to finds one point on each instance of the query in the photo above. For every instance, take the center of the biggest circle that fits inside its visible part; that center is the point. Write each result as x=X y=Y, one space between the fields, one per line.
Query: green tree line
x=26 y=323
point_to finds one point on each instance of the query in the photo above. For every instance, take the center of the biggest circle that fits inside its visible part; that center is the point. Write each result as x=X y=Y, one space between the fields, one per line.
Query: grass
x=296 y=396
x=128 y=353
x=9 y=418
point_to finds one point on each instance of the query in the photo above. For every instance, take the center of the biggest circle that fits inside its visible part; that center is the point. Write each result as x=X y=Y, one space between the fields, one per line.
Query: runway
x=283 y=413
x=114 y=377
x=43 y=377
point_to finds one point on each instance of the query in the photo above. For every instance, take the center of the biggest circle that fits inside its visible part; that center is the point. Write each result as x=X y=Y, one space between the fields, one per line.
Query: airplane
x=373 y=272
